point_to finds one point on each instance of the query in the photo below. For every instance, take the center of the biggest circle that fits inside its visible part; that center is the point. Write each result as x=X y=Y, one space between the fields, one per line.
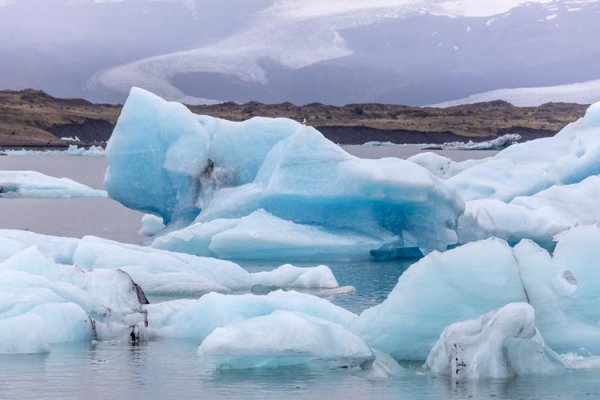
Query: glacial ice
x=500 y=344
x=151 y=225
x=438 y=290
x=197 y=318
x=438 y=165
x=284 y=338
x=43 y=303
x=538 y=217
x=160 y=272
x=15 y=184
x=498 y=143
x=262 y=236
x=75 y=150
x=475 y=278
x=164 y=160
x=524 y=169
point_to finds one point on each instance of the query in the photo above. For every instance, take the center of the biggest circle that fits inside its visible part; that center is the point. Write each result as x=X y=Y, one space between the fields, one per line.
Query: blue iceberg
x=212 y=173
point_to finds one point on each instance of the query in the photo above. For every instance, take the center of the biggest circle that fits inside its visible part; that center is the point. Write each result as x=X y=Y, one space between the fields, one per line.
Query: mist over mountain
x=415 y=52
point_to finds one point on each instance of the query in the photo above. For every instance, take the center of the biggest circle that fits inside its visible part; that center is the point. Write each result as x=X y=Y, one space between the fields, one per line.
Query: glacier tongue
x=165 y=160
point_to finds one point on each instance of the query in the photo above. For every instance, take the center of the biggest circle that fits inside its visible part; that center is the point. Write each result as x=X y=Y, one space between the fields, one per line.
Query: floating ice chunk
x=197 y=318
x=500 y=344
x=34 y=184
x=261 y=236
x=151 y=225
x=376 y=143
x=440 y=289
x=161 y=272
x=576 y=361
x=290 y=276
x=475 y=278
x=438 y=165
x=498 y=143
x=182 y=164
x=63 y=303
x=524 y=169
x=539 y=217
x=284 y=338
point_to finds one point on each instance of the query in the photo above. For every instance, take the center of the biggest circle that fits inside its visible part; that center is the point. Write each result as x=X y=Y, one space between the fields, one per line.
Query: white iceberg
x=197 y=318
x=500 y=344
x=166 y=161
x=263 y=236
x=161 y=272
x=438 y=165
x=499 y=143
x=524 y=169
x=478 y=277
x=74 y=150
x=438 y=290
x=43 y=303
x=14 y=184
x=151 y=225
x=284 y=338
x=538 y=217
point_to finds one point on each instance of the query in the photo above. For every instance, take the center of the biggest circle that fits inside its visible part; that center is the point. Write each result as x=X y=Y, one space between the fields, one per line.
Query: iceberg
x=284 y=338
x=500 y=344
x=151 y=225
x=538 y=217
x=197 y=318
x=186 y=168
x=473 y=279
x=524 y=169
x=44 y=303
x=438 y=165
x=75 y=150
x=499 y=143
x=161 y=272
x=438 y=290
x=15 y=184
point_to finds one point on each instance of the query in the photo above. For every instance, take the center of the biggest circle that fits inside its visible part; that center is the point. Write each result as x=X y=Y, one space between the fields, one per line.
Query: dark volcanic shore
x=32 y=118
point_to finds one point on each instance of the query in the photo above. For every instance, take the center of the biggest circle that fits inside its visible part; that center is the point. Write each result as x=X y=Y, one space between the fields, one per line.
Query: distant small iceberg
x=499 y=143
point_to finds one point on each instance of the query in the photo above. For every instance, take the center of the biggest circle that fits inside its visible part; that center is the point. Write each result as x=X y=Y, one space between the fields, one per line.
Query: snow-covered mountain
x=338 y=51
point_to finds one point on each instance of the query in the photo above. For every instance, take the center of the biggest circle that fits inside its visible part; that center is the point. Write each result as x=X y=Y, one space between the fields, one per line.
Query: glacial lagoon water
x=170 y=368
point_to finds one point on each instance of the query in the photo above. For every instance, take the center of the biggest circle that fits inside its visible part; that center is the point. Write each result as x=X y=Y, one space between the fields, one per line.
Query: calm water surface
x=170 y=369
